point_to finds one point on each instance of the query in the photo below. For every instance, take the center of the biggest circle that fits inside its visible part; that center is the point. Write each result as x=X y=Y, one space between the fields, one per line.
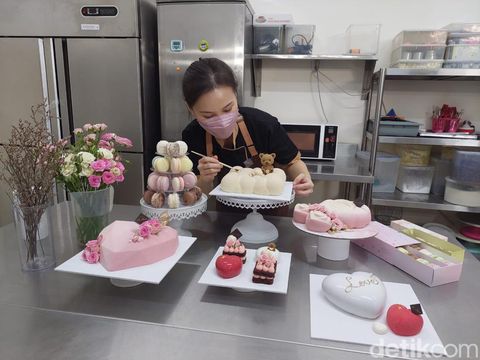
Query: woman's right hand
x=209 y=167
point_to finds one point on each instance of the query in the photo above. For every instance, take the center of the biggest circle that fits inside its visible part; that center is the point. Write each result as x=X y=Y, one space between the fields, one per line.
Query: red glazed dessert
x=228 y=266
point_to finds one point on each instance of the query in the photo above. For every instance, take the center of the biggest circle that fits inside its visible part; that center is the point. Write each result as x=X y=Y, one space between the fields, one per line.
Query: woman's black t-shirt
x=267 y=134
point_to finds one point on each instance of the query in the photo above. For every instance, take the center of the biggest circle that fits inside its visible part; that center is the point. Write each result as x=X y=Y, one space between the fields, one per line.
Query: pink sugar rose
x=108 y=136
x=85 y=254
x=98 y=165
x=123 y=141
x=108 y=178
x=155 y=226
x=93 y=245
x=93 y=257
x=94 y=181
x=144 y=231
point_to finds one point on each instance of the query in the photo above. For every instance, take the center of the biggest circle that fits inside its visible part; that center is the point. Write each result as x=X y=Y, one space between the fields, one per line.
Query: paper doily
x=253 y=204
x=181 y=213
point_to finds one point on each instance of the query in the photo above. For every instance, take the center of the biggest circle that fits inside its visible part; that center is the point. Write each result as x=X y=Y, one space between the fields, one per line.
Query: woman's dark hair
x=205 y=75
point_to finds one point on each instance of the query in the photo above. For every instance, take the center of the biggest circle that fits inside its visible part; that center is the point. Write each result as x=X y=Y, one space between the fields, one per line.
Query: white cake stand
x=336 y=245
x=254 y=228
x=177 y=215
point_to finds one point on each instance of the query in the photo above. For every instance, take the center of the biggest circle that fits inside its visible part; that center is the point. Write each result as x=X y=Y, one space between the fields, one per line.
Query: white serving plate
x=153 y=273
x=243 y=281
x=331 y=323
x=368 y=231
x=286 y=195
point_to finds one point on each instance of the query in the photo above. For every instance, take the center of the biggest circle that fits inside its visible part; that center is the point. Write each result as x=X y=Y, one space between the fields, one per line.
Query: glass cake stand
x=177 y=215
x=336 y=245
x=254 y=228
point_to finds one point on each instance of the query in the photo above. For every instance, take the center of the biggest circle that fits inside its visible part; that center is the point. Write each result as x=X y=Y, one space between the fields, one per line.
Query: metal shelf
x=419 y=201
x=434 y=74
x=311 y=57
x=343 y=169
x=419 y=140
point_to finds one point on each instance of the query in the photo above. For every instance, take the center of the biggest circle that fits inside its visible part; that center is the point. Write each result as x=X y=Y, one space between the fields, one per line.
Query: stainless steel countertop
x=52 y=315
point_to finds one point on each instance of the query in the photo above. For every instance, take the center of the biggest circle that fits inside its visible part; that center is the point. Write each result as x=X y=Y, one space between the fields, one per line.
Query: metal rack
x=398 y=198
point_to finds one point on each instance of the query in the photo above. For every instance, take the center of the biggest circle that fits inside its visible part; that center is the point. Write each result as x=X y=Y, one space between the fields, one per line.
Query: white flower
x=86 y=171
x=68 y=159
x=87 y=127
x=78 y=131
x=105 y=153
x=68 y=170
x=115 y=171
x=86 y=157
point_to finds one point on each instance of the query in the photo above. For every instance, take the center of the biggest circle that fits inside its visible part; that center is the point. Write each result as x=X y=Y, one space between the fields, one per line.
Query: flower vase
x=33 y=225
x=91 y=210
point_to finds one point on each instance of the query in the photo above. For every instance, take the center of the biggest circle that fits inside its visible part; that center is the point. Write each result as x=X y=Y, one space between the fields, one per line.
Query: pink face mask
x=220 y=126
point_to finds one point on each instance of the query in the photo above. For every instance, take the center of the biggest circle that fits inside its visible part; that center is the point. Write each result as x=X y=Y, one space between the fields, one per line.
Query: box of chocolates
x=421 y=253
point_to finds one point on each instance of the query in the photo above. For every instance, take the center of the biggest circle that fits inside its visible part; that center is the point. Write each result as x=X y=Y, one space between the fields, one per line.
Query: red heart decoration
x=403 y=321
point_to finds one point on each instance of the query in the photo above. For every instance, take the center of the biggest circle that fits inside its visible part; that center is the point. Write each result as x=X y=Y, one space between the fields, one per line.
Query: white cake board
x=336 y=245
x=331 y=323
x=243 y=281
x=284 y=196
x=152 y=274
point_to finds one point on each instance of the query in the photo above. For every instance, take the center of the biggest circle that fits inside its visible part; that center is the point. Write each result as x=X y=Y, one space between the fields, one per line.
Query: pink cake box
x=385 y=244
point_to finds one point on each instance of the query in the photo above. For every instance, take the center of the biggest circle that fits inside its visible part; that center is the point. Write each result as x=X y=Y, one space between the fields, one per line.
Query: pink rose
x=108 y=178
x=155 y=226
x=93 y=245
x=87 y=127
x=109 y=164
x=120 y=166
x=85 y=254
x=103 y=144
x=98 y=165
x=102 y=126
x=108 y=136
x=143 y=231
x=93 y=257
x=123 y=141
x=94 y=181
x=120 y=178
x=77 y=131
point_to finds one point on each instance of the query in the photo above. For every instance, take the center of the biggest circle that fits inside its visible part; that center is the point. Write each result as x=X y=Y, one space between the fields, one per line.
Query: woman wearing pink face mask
x=231 y=134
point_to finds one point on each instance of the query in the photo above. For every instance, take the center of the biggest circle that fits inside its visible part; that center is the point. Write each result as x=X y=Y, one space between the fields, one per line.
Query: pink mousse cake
x=119 y=252
x=353 y=216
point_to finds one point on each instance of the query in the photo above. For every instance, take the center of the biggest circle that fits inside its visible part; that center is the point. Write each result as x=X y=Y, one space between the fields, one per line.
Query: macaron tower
x=171 y=183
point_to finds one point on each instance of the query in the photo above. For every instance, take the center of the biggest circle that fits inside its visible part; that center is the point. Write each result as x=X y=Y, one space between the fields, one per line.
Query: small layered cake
x=265 y=269
x=269 y=250
x=233 y=246
x=126 y=244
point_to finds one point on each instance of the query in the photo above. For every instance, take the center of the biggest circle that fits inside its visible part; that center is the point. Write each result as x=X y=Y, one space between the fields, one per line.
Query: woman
x=234 y=135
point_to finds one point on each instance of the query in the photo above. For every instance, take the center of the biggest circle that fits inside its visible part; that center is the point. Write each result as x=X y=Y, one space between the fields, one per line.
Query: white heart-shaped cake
x=360 y=293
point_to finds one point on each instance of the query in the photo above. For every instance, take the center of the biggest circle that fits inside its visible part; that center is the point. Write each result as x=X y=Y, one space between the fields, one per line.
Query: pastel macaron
x=158 y=199
x=152 y=181
x=147 y=196
x=173 y=201
x=175 y=165
x=186 y=164
x=162 y=147
x=190 y=180
x=178 y=184
x=163 y=183
x=160 y=164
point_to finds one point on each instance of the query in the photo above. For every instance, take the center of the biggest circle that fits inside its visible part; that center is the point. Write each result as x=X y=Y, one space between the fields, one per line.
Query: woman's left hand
x=302 y=185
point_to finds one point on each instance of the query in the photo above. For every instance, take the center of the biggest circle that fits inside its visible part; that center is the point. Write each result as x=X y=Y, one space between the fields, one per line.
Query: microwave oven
x=315 y=142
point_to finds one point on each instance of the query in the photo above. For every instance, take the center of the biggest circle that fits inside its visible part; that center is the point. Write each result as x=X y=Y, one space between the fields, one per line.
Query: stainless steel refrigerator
x=188 y=30
x=94 y=61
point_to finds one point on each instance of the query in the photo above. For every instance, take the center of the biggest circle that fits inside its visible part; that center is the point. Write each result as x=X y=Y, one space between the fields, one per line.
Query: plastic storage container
x=418 y=52
x=443 y=168
x=415 y=179
x=362 y=39
x=463 y=52
x=395 y=128
x=268 y=39
x=420 y=37
x=414 y=155
x=463 y=39
x=460 y=193
x=418 y=64
x=466 y=166
x=461 y=64
x=463 y=27
x=299 y=39
x=386 y=170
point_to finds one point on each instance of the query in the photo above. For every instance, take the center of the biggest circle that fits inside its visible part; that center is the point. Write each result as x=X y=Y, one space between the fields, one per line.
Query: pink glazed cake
x=119 y=252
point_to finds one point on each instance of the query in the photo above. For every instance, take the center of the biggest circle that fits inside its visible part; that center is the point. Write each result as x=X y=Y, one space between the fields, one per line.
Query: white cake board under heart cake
x=286 y=194
x=152 y=274
x=331 y=323
x=243 y=281
x=336 y=245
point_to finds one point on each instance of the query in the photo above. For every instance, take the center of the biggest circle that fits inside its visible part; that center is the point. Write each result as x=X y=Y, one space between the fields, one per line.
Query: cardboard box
x=429 y=270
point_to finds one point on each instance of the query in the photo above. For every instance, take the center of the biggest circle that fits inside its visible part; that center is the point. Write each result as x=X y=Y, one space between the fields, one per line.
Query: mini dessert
x=234 y=247
x=126 y=244
x=253 y=181
x=264 y=270
x=228 y=266
x=178 y=184
x=163 y=183
x=190 y=180
x=175 y=165
x=191 y=196
x=361 y=293
x=162 y=147
x=176 y=149
x=270 y=250
x=160 y=164
x=403 y=321
x=173 y=201
x=152 y=181
x=157 y=200
x=185 y=164
x=147 y=196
